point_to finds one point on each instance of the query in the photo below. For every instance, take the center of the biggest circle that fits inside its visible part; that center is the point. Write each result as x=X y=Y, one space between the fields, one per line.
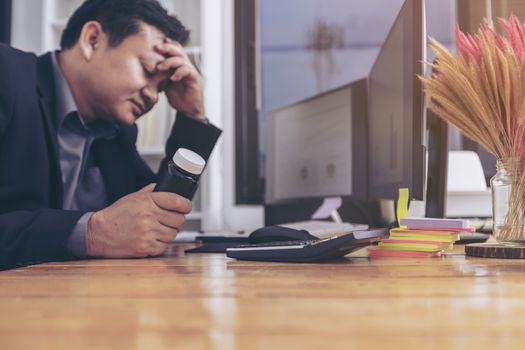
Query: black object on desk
x=279 y=233
x=311 y=250
x=215 y=244
x=472 y=237
x=215 y=247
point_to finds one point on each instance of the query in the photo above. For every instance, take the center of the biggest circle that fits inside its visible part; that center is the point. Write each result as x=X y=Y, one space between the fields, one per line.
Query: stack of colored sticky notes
x=421 y=237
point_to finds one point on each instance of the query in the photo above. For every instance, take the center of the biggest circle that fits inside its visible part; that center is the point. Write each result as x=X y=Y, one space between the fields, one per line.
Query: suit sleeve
x=32 y=237
x=196 y=135
x=6 y=99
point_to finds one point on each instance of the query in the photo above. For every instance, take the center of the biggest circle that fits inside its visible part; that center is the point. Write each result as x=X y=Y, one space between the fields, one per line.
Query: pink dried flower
x=515 y=32
x=468 y=46
x=487 y=31
x=481 y=89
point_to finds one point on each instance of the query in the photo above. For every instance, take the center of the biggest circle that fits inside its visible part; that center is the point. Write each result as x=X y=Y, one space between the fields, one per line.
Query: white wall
x=27 y=23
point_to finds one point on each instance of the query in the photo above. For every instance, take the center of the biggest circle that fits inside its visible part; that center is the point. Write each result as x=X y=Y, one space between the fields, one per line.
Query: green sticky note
x=402 y=204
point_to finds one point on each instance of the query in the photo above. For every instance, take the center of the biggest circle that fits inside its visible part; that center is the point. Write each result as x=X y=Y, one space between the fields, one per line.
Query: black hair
x=120 y=19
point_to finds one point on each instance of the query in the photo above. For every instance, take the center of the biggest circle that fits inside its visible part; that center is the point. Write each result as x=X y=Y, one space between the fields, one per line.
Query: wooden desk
x=211 y=302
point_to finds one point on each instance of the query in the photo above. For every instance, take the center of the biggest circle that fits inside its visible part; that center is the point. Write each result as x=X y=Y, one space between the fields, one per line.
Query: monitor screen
x=317 y=147
x=310 y=148
x=396 y=122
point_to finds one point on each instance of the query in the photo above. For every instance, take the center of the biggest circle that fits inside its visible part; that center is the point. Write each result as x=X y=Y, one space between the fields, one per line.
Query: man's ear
x=92 y=37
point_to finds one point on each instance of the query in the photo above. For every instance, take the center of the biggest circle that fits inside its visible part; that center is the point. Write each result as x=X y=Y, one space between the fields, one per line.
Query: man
x=72 y=184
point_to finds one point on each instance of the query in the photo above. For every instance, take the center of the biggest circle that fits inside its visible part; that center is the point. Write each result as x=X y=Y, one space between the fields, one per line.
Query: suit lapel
x=114 y=161
x=47 y=100
x=122 y=168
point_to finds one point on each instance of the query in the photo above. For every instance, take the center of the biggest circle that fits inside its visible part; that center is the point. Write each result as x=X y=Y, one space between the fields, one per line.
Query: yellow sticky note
x=402 y=204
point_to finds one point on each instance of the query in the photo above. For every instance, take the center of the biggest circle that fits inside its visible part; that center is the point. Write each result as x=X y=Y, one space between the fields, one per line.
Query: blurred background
x=257 y=56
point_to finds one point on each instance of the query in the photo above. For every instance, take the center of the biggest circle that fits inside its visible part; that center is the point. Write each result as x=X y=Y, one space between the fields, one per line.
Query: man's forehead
x=151 y=33
x=148 y=41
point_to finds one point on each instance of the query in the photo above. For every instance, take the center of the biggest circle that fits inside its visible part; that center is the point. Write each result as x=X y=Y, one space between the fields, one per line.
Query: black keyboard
x=307 y=250
x=283 y=243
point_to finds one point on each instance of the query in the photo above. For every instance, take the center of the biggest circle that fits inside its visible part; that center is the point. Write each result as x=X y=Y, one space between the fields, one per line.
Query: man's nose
x=150 y=93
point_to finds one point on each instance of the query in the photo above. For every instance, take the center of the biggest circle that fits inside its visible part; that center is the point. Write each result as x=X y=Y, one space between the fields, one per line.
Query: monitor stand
x=336 y=217
x=387 y=211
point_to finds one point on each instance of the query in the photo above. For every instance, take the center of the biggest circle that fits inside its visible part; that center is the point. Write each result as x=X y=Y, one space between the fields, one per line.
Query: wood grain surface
x=211 y=302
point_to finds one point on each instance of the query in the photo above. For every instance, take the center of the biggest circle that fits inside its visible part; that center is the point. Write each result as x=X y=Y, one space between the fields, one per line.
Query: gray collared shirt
x=83 y=185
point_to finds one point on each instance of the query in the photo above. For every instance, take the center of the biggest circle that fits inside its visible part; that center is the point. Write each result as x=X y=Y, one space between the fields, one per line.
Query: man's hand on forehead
x=174 y=55
x=184 y=88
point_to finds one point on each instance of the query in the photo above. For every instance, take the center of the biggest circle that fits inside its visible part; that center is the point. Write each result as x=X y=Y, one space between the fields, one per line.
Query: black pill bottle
x=182 y=177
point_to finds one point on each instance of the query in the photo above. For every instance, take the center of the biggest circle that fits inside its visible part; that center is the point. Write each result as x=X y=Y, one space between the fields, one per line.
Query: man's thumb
x=148 y=188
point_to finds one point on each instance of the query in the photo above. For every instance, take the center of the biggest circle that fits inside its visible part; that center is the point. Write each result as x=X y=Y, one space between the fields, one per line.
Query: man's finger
x=166 y=234
x=171 y=219
x=181 y=73
x=148 y=188
x=173 y=42
x=171 y=50
x=172 y=202
x=172 y=63
x=158 y=248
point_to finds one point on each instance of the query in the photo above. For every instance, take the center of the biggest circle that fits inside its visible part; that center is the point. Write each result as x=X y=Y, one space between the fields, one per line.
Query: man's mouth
x=138 y=108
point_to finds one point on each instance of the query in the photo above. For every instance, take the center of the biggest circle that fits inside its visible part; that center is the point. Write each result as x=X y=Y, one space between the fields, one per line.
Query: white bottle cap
x=189 y=161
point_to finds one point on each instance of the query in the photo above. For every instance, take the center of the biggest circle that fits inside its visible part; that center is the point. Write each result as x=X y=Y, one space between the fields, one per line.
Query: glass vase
x=508 y=205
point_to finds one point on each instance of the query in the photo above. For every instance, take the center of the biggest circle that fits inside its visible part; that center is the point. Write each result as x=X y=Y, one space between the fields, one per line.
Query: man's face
x=122 y=83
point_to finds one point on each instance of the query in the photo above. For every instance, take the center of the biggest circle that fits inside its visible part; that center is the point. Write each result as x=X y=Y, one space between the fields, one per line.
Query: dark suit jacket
x=33 y=227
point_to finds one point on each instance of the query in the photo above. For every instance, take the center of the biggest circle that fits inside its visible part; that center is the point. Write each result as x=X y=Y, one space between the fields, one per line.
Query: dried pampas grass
x=481 y=91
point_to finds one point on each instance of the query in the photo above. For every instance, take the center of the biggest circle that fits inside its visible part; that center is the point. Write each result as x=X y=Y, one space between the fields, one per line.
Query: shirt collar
x=65 y=103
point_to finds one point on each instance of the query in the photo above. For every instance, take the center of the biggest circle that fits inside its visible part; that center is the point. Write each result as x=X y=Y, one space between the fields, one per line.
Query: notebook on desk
x=325 y=229
x=193 y=236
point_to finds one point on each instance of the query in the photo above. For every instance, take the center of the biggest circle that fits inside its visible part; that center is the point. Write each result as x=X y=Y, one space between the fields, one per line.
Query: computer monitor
x=435 y=203
x=396 y=118
x=317 y=149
